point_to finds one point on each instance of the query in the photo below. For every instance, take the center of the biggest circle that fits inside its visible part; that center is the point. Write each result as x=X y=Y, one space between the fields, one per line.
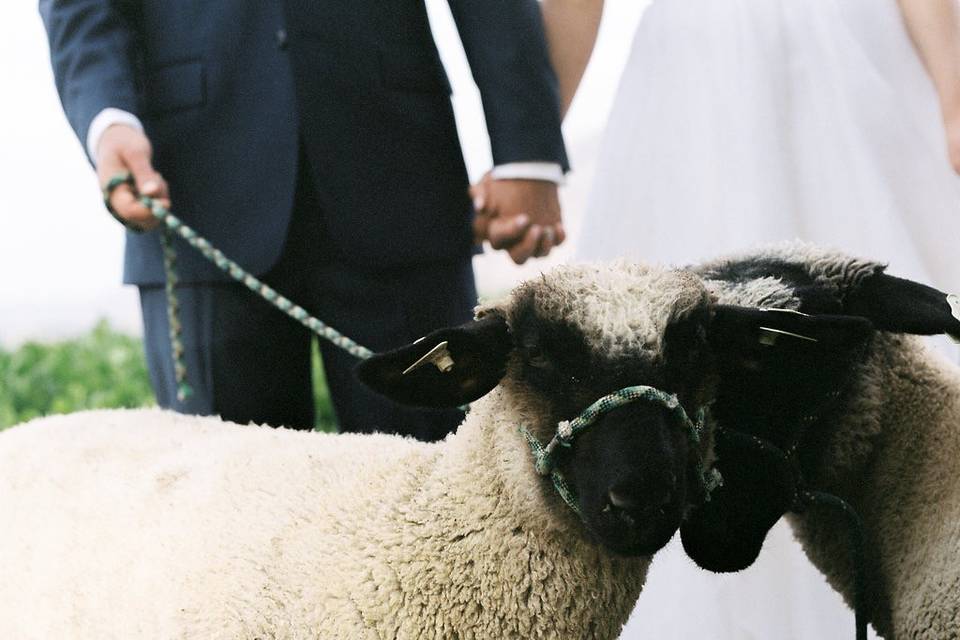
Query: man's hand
x=121 y=149
x=521 y=216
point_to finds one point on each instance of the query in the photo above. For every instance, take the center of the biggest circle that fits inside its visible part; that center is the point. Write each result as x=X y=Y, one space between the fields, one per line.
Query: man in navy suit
x=313 y=141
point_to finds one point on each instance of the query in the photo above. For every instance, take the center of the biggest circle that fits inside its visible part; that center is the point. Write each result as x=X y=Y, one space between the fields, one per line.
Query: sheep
x=150 y=524
x=869 y=414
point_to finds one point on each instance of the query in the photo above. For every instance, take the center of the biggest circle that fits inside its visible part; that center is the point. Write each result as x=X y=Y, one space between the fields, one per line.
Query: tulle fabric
x=740 y=122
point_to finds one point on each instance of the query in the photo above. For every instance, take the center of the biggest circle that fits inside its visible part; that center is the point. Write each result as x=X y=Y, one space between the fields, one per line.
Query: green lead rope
x=174 y=226
x=546 y=458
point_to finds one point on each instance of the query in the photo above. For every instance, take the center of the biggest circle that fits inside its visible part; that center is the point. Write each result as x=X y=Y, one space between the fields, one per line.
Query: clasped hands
x=520 y=216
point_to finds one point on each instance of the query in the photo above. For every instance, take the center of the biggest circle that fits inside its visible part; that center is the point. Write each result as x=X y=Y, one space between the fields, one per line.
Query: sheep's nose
x=643 y=497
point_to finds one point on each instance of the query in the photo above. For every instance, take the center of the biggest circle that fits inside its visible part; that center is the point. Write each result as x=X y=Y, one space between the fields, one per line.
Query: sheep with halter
x=822 y=392
x=149 y=524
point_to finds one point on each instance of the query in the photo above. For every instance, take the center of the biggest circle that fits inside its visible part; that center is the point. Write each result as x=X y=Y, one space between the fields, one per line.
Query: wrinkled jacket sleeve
x=92 y=51
x=506 y=47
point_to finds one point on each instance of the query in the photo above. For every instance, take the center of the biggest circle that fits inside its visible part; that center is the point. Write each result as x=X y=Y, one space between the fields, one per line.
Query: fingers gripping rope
x=174 y=226
x=546 y=457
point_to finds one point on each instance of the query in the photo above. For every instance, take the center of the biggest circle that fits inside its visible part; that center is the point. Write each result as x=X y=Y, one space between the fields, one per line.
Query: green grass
x=326 y=419
x=101 y=369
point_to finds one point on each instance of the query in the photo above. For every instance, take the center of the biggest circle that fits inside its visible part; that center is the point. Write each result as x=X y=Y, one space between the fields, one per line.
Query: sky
x=61 y=254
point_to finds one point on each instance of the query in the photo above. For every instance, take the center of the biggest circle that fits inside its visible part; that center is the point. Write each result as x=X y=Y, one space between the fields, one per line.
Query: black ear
x=777 y=366
x=746 y=331
x=429 y=373
x=904 y=306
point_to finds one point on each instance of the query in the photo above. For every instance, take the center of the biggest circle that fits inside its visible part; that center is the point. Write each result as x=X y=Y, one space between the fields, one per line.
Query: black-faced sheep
x=148 y=524
x=865 y=413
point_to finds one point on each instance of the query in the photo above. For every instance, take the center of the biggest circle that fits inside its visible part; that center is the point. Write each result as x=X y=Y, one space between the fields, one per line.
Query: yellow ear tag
x=439 y=357
x=954 y=301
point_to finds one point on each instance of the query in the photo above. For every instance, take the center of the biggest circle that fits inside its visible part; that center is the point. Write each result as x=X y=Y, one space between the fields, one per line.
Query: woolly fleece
x=621 y=308
x=147 y=524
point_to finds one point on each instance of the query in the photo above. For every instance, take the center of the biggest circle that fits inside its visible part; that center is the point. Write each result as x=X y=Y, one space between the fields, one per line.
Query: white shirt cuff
x=107 y=118
x=547 y=171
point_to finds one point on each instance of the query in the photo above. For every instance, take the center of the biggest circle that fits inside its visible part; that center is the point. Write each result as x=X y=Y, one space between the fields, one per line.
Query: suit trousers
x=248 y=362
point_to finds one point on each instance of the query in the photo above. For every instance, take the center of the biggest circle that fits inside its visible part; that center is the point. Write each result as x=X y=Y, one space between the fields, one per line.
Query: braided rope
x=546 y=458
x=175 y=328
x=174 y=226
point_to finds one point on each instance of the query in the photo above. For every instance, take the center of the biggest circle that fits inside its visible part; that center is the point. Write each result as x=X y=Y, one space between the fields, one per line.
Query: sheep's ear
x=904 y=306
x=775 y=367
x=771 y=354
x=747 y=330
x=448 y=368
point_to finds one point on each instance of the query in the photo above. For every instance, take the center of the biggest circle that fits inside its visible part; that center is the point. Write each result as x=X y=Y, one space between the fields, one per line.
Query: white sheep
x=871 y=415
x=149 y=524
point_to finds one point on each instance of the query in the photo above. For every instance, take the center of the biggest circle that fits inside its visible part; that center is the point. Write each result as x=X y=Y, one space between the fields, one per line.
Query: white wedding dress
x=740 y=122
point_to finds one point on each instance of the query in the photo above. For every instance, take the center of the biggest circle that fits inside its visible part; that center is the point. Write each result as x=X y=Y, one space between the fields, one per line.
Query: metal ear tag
x=769 y=336
x=954 y=301
x=439 y=357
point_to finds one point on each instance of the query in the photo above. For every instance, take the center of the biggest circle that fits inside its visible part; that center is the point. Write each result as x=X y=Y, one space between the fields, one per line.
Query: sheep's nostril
x=622 y=501
x=649 y=503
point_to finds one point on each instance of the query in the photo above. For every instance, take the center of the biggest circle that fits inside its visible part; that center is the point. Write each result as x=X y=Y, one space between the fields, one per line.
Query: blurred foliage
x=101 y=369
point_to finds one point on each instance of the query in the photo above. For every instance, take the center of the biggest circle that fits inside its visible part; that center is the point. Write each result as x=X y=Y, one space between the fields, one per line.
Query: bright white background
x=60 y=254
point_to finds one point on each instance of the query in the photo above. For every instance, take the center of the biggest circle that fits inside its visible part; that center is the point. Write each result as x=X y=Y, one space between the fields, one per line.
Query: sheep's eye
x=535 y=357
x=538 y=360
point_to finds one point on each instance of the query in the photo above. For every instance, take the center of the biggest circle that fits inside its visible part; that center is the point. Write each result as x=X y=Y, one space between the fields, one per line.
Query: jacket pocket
x=175 y=86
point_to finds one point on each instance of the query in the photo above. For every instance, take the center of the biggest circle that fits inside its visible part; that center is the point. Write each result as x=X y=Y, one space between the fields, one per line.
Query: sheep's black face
x=634 y=470
x=630 y=472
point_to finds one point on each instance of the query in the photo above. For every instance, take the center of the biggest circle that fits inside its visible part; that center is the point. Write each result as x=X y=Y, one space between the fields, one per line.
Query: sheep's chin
x=629 y=538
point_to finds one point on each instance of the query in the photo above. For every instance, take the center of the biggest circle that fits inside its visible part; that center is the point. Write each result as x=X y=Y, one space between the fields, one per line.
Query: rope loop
x=546 y=458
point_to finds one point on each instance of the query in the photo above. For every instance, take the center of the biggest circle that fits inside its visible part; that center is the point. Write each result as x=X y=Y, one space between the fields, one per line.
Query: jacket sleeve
x=92 y=48
x=506 y=47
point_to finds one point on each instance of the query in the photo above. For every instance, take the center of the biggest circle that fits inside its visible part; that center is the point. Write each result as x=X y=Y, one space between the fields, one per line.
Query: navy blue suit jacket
x=228 y=89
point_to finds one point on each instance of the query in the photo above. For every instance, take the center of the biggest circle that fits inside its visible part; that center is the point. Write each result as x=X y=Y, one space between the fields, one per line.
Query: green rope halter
x=546 y=458
x=173 y=225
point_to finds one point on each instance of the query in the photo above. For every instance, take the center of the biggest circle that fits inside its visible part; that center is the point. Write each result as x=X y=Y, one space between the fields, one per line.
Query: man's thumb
x=148 y=181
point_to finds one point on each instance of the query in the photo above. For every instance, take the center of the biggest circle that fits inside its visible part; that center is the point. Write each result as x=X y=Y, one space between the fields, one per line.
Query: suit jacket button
x=282 y=41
